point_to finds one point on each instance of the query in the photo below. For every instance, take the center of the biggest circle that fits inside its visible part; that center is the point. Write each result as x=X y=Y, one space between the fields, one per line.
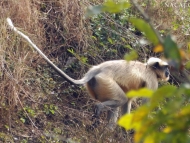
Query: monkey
x=109 y=81
x=115 y=78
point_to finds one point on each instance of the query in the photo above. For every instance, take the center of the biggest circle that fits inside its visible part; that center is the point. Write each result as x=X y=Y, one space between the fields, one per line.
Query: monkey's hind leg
x=112 y=113
x=111 y=96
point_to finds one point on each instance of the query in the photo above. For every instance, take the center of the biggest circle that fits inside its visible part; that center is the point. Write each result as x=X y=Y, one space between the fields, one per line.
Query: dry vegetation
x=36 y=105
x=170 y=17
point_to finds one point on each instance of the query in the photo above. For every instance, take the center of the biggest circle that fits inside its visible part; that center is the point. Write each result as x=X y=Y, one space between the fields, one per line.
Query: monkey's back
x=126 y=73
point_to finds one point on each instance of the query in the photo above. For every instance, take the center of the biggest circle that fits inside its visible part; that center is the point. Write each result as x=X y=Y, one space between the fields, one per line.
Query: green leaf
x=150 y=138
x=185 y=111
x=128 y=46
x=109 y=6
x=140 y=114
x=84 y=59
x=94 y=38
x=110 y=40
x=143 y=92
x=7 y=127
x=145 y=27
x=134 y=120
x=22 y=120
x=123 y=39
x=94 y=10
x=171 y=50
x=187 y=65
x=71 y=51
x=52 y=111
x=115 y=7
x=162 y=93
x=126 y=121
x=131 y=56
x=185 y=88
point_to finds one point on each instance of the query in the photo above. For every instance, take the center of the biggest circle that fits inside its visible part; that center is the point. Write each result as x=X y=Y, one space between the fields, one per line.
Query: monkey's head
x=160 y=67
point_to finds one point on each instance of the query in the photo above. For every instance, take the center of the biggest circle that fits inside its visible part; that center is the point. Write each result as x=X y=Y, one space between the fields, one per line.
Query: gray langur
x=109 y=81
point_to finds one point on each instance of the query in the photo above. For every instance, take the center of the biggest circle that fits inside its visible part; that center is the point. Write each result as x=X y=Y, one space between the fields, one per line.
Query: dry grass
x=167 y=15
x=15 y=55
x=28 y=92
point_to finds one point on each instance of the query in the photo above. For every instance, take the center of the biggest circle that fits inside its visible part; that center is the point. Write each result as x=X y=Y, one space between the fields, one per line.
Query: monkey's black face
x=167 y=72
x=162 y=71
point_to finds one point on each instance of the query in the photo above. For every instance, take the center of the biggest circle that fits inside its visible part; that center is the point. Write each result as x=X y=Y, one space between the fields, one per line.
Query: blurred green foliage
x=166 y=117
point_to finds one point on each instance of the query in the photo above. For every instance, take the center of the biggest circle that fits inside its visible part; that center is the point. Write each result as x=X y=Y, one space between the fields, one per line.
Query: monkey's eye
x=156 y=65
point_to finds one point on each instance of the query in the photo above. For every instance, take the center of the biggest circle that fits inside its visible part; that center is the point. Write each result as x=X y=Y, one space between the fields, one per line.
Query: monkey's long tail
x=60 y=72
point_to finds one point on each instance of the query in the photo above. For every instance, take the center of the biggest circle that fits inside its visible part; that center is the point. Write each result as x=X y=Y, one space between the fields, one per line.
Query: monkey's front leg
x=126 y=108
x=112 y=116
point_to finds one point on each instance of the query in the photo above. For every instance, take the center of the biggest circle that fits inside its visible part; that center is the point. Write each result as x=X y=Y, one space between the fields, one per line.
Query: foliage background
x=36 y=105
